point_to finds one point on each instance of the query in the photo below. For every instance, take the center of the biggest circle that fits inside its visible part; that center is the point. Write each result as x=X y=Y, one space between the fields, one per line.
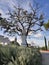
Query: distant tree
x=22 y=22
x=46 y=25
x=15 y=42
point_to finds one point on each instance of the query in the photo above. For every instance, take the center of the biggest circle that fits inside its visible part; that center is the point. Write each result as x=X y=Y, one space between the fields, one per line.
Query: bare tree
x=22 y=22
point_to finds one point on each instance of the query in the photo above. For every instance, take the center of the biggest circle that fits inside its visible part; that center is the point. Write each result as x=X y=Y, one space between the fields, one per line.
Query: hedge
x=18 y=55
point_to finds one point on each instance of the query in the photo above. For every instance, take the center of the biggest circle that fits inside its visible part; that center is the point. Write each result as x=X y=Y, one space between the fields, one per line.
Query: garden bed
x=10 y=55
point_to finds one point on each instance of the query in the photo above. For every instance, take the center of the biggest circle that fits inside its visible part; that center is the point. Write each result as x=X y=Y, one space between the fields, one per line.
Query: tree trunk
x=45 y=42
x=24 y=40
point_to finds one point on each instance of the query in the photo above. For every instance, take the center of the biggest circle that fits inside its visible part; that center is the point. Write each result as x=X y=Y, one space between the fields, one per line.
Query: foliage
x=46 y=25
x=42 y=48
x=0 y=45
x=14 y=43
x=10 y=55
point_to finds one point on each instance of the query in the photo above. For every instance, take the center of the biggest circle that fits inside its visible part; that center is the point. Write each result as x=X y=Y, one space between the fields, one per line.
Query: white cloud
x=38 y=35
x=1 y=11
x=11 y=38
x=3 y=14
x=22 y=3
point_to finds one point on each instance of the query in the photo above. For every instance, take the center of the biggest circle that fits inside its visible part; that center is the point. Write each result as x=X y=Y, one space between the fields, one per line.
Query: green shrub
x=42 y=48
x=10 y=55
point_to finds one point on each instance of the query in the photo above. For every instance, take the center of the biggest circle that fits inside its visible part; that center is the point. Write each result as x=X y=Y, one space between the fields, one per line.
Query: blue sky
x=44 y=7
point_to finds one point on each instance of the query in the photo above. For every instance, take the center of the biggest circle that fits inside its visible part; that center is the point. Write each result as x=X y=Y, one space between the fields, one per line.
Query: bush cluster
x=10 y=55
